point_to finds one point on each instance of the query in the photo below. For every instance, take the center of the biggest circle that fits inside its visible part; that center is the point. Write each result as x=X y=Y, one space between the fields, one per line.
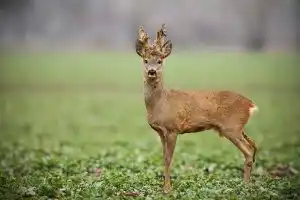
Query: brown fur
x=172 y=112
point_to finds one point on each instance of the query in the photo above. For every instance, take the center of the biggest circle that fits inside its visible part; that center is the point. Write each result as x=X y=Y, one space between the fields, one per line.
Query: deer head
x=153 y=55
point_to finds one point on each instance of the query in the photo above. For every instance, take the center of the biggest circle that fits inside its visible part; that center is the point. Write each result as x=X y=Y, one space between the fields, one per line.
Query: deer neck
x=154 y=92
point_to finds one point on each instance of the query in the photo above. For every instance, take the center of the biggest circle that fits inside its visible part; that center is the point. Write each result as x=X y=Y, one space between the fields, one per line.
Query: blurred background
x=71 y=96
x=112 y=24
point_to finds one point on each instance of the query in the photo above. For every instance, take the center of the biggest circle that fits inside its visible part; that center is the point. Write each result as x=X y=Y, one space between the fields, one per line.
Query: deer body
x=195 y=111
x=172 y=112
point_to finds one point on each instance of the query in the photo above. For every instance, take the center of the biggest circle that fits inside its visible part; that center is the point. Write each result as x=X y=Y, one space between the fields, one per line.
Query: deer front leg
x=163 y=142
x=169 y=147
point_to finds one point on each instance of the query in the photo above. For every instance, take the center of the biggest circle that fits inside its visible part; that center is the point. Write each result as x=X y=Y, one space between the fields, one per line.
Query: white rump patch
x=253 y=109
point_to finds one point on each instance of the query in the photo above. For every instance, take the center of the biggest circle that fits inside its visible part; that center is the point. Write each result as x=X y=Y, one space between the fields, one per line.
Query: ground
x=73 y=126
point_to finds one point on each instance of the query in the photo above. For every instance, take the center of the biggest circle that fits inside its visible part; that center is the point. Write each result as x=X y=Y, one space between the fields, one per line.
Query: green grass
x=62 y=116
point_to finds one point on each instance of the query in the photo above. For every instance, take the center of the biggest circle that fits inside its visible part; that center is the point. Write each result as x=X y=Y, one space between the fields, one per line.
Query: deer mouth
x=152 y=74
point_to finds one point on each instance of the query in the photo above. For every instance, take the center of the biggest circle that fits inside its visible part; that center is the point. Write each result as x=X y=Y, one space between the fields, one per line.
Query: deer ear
x=167 y=48
x=139 y=48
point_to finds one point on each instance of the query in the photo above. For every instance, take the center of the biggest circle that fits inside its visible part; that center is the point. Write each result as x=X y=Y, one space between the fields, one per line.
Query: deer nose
x=151 y=72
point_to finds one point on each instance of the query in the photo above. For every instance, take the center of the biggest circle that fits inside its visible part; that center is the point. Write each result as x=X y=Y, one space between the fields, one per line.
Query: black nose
x=152 y=72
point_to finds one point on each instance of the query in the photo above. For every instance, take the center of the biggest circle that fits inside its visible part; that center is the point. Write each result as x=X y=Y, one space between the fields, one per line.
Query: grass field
x=73 y=126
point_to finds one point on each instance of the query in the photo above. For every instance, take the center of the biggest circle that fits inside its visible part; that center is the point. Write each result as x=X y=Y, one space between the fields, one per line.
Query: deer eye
x=159 y=62
x=145 y=61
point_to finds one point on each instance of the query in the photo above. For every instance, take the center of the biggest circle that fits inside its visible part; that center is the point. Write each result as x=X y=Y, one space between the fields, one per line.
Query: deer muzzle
x=152 y=73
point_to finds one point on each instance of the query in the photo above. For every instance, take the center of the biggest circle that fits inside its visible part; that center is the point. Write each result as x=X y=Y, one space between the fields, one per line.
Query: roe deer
x=172 y=112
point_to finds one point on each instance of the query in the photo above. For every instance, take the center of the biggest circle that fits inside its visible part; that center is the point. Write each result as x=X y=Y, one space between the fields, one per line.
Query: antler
x=162 y=47
x=142 y=43
x=160 y=38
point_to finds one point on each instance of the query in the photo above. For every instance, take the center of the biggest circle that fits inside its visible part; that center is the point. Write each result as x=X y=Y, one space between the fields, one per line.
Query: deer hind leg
x=242 y=144
x=251 y=144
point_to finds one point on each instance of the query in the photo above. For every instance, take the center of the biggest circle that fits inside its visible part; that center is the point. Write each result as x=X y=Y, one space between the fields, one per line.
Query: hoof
x=167 y=190
x=246 y=180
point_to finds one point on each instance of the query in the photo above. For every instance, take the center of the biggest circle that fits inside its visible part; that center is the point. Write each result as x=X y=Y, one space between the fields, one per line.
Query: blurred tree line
x=111 y=24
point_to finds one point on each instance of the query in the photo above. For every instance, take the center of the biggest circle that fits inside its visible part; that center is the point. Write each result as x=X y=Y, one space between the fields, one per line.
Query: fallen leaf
x=132 y=194
x=98 y=172
x=282 y=170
